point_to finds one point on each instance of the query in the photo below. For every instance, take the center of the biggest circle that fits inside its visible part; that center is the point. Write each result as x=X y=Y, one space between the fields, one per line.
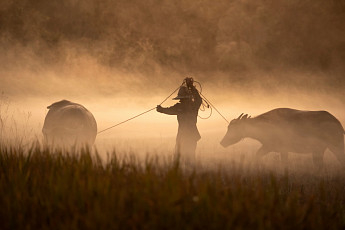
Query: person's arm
x=173 y=110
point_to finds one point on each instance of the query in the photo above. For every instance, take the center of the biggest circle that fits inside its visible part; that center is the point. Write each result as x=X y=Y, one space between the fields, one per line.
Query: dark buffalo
x=286 y=130
x=69 y=124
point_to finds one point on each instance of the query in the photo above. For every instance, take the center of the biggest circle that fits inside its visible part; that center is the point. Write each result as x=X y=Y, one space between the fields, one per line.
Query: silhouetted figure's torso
x=188 y=134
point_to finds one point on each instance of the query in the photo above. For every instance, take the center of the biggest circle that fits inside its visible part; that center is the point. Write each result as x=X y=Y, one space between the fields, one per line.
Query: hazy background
x=122 y=57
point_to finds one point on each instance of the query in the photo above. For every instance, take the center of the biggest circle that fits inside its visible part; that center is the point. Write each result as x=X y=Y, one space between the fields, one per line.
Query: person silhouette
x=187 y=112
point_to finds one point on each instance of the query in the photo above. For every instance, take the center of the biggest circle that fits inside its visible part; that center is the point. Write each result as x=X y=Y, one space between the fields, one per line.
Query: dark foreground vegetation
x=42 y=189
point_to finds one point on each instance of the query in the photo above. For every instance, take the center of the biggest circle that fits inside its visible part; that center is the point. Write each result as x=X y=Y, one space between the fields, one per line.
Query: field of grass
x=49 y=189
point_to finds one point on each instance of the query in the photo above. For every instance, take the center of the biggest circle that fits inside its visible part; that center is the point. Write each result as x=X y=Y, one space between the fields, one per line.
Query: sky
x=121 y=58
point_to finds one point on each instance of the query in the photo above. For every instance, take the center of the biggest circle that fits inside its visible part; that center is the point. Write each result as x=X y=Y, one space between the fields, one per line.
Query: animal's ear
x=245 y=116
x=240 y=116
x=249 y=116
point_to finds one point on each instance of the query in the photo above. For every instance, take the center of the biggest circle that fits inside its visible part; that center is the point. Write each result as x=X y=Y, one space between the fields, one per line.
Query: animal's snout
x=223 y=143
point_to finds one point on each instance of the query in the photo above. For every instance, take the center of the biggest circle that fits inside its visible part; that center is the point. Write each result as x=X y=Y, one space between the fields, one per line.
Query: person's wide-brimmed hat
x=183 y=93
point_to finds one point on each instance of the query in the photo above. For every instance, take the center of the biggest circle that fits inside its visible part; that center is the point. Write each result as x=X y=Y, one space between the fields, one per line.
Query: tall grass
x=51 y=189
x=15 y=124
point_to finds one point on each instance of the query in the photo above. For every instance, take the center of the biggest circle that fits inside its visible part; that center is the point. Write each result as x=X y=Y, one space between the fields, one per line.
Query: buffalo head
x=235 y=131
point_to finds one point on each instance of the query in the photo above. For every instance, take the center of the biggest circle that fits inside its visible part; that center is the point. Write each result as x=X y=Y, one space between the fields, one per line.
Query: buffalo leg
x=318 y=159
x=339 y=153
x=261 y=152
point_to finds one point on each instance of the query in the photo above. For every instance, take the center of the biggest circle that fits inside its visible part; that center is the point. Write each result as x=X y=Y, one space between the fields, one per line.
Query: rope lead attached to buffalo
x=207 y=101
x=209 y=104
x=138 y=114
x=203 y=97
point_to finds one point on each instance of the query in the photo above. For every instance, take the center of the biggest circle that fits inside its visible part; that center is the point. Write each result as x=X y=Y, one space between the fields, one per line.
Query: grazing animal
x=68 y=124
x=286 y=130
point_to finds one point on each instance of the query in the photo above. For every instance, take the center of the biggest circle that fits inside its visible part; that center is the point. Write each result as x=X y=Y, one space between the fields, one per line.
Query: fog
x=121 y=58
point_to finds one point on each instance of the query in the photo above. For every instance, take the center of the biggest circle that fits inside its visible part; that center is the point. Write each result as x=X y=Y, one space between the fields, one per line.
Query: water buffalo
x=69 y=124
x=286 y=130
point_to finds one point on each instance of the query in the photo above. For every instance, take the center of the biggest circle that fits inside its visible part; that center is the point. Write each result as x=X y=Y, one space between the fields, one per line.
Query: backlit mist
x=121 y=58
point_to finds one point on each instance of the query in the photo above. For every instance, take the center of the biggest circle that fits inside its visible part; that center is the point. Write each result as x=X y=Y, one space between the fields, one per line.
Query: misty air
x=172 y=114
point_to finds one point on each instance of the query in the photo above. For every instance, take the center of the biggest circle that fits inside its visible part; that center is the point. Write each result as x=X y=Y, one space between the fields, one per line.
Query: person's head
x=183 y=95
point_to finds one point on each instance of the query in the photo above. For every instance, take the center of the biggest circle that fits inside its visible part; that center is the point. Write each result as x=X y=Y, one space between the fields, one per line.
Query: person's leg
x=188 y=152
x=177 y=153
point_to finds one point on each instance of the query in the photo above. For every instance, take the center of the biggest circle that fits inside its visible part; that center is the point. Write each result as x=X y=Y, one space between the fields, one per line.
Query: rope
x=199 y=86
x=203 y=107
x=214 y=107
x=207 y=101
x=138 y=114
x=126 y=120
x=170 y=95
x=205 y=118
